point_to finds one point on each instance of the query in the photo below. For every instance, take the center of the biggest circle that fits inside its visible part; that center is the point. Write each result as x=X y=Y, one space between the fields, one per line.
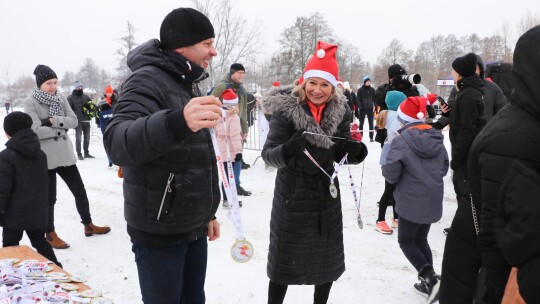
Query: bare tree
x=68 y=79
x=17 y=91
x=392 y=54
x=297 y=44
x=127 y=43
x=528 y=21
x=88 y=74
x=235 y=41
x=506 y=34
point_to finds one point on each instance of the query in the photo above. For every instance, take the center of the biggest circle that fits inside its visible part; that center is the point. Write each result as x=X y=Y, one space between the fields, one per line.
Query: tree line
x=238 y=40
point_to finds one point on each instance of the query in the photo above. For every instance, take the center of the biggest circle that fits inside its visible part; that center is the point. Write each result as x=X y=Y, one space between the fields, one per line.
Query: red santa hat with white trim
x=323 y=63
x=229 y=97
x=413 y=109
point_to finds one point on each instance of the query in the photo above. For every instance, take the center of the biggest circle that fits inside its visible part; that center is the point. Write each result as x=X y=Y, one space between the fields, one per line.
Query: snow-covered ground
x=377 y=270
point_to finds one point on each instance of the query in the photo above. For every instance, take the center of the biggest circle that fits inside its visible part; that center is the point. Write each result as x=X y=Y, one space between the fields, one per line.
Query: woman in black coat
x=306 y=228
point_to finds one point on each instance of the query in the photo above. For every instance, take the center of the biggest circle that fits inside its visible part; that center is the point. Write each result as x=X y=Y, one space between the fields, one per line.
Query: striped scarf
x=53 y=101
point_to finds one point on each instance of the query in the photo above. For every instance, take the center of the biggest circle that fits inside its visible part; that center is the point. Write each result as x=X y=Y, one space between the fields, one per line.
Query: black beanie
x=235 y=67
x=465 y=65
x=43 y=73
x=395 y=70
x=184 y=27
x=16 y=121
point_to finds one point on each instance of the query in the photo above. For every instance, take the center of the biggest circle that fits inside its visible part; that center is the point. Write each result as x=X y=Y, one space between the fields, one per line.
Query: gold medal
x=242 y=251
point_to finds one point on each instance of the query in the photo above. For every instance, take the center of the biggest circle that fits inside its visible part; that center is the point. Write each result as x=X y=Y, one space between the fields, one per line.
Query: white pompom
x=420 y=115
x=321 y=53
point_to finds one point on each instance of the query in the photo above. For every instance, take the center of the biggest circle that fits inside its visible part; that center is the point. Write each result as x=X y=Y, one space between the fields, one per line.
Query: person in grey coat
x=417 y=162
x=52 y=117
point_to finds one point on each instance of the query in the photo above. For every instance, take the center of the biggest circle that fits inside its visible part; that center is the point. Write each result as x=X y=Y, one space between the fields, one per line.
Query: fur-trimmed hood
x=278 y=101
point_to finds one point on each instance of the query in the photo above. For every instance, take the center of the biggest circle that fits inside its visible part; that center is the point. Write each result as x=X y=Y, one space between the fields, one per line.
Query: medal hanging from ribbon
x=332 y=188
x=241 y=250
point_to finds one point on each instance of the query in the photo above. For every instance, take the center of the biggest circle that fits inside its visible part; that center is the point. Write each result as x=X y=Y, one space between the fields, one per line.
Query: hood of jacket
x=480 y=63
x=278 y=101
x=25 y=142
x=426 y=143
x=526 y=72
x=173 y=63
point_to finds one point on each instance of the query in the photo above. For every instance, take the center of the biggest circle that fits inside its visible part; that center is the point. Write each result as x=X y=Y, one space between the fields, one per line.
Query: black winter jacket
x=24 y=183
x=504 y=166
x=77 y=103
x=306 y=227
x=365 y=98
x=466 y=119
x=171 y=186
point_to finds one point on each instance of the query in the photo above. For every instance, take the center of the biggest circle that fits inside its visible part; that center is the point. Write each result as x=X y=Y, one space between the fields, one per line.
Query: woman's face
x=49 y=86
x=318 y=90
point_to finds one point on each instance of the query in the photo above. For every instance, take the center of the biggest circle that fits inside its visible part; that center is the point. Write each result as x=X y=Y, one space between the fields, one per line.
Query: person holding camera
x=364 y=102
x=461 y=259
x=302 y=145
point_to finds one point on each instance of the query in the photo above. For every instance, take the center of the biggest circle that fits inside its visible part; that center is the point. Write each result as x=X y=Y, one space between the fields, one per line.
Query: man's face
x=238 y=76
x=201 y=53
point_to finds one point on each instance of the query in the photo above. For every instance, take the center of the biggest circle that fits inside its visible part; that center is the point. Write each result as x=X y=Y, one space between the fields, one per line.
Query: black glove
x=295 y=145
x=238 y=157
x=46 y=122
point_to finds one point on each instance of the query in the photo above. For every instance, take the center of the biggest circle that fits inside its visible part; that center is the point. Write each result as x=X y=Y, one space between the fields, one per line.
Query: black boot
x=242 y=192
x=428 y=283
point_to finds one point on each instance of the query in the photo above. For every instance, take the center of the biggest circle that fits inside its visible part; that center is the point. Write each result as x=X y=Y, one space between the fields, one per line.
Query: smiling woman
x=307 y=194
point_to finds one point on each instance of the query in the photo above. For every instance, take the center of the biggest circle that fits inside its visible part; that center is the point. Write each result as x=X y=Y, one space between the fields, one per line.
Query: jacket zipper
x=167 y=189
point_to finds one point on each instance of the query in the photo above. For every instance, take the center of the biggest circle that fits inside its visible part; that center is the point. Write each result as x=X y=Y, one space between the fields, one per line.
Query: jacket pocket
x=166 y=200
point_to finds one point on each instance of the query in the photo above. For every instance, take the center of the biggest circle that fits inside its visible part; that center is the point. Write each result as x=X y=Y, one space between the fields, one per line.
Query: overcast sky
x=63 y=33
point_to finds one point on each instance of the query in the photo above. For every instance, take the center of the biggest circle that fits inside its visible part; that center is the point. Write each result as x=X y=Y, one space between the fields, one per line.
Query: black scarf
x=53 y=101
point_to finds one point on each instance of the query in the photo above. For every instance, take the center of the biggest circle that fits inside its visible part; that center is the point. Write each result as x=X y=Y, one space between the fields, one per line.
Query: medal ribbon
x=229 y=184
x=306 y=152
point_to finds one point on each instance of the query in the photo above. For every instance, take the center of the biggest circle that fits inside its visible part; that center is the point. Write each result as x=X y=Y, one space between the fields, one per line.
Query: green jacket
x=227 y=83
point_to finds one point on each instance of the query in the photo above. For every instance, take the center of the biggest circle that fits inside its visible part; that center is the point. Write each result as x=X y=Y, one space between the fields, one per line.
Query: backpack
x=501 y=74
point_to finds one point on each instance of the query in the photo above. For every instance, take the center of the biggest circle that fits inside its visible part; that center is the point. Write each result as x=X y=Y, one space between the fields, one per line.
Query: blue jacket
x=416 y=163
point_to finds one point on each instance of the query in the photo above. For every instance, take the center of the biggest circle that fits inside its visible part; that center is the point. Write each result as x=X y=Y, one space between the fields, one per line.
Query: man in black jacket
x=364 y=102
x=160 y=135
x=504 y=170
x=77 y=100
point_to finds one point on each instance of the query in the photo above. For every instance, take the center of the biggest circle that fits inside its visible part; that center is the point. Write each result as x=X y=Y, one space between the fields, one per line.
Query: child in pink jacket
x=229 y=132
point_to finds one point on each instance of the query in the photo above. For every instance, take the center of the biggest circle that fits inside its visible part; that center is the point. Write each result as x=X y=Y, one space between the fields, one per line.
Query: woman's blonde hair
x=381 y=119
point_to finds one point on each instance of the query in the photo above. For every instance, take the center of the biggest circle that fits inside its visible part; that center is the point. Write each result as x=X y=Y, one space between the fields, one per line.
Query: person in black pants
x=365 y=98
x=23 y=191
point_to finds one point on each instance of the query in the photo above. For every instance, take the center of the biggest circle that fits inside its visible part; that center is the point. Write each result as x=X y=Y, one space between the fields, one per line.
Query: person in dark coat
x=461 y=259
x=504 y=170
x=105 y=114
x=364 y=103
x=494 y=99
x=306 y=227
x=77 y=101
x=24 y=187
x=160 y=135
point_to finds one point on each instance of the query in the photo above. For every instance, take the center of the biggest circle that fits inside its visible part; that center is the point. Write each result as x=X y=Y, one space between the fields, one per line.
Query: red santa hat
x=276 y=84
x=413 y=109
x=229 y=97
x=323 y=64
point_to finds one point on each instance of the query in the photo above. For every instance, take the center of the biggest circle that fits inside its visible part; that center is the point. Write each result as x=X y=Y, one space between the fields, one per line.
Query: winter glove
x=238 y=157
x=295 y=145
x=46 y=122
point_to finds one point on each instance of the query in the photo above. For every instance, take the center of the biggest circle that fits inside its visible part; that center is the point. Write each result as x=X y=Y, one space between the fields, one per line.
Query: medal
x=242 y=251
x=333 y=190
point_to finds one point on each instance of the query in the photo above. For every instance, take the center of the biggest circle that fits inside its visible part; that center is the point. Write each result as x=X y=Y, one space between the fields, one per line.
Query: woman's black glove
x=356 y=149
x=46 y=122
x=295 y=145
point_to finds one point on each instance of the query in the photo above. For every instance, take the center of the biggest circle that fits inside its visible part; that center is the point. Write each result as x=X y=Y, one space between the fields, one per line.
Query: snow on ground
x=376 y=269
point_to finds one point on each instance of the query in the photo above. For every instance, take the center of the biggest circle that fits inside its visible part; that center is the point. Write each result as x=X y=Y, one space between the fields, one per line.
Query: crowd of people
x=161 y=129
